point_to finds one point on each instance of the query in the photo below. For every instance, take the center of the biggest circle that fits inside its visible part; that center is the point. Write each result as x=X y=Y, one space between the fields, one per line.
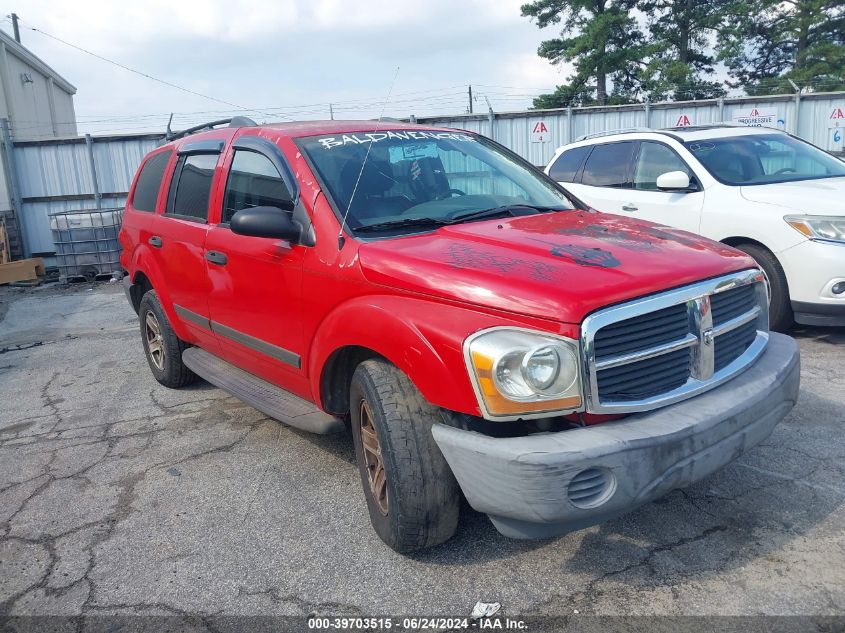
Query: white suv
x=765 y=192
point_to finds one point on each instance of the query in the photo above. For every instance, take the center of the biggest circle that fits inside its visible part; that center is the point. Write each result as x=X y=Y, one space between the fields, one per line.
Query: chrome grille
x=651 y=352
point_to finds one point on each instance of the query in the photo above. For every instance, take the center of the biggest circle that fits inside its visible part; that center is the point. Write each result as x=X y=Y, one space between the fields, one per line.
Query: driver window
x=656 y=159
x=253 y=182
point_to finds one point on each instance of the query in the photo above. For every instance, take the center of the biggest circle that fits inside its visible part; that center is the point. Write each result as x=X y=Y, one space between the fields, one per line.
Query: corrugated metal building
x=36 y=103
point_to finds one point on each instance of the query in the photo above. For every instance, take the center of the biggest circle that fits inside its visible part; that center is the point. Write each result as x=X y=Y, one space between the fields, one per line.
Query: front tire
x=411 y=493
x=780 y=308
x=161 y=345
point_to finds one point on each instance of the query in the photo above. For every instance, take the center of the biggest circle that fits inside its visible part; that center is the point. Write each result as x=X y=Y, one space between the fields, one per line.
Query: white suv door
x=621 y=177
x=679 y=208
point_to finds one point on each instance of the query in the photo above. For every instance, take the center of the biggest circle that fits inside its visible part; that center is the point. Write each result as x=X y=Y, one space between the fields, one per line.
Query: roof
x=295 y=129
x=26 y=56
x=680 y=134
x=312 y=128
x=700 y=132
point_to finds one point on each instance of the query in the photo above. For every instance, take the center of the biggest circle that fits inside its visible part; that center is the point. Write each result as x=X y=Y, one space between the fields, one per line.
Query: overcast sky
x=287 y=59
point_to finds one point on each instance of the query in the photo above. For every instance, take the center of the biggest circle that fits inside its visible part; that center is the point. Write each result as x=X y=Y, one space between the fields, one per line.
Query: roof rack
x=622 y=130
x=235 y=121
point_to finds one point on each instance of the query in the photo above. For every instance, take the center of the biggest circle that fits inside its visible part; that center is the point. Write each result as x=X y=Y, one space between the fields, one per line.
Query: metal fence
x=43 y=177
x=535 y=134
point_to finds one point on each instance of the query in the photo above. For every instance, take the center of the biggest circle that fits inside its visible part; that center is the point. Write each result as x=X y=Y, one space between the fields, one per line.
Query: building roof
x=26 y=56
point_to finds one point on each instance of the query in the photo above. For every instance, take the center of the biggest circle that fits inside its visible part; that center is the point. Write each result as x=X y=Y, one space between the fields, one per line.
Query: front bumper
x=812 y=268
x=523 y=483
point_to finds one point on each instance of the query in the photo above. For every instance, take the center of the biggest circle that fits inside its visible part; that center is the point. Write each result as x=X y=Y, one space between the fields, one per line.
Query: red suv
x=480 y=330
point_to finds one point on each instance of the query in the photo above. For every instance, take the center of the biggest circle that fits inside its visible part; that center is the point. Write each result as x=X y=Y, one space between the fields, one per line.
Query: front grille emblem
x=701 y=326
x=707 y=335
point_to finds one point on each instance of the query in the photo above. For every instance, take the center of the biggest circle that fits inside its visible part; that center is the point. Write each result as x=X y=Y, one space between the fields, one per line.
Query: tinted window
x=656 y=159
x=568 y=164
x=253 y=182
x=193 y=186
x=608 y=165
x=149 y=182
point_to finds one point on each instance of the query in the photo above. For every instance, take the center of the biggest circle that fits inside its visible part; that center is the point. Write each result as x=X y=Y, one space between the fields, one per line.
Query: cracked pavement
x=119 y=496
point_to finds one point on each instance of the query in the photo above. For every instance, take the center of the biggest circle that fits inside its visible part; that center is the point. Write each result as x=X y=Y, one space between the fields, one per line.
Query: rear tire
x=780 y=308
x=411 y=493
x=161 y=345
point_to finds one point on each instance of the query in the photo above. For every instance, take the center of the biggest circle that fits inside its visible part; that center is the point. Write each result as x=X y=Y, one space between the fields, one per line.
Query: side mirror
x=266 y=222
x=673 y=181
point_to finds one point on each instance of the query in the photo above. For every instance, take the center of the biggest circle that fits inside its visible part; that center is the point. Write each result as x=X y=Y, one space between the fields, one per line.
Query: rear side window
x=253 y=182
x=609 y=165
x=149 y=182
x=567 y=164
x=191 y=186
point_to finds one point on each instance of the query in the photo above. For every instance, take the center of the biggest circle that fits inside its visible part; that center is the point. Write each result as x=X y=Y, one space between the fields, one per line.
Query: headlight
x=518 y=372
x=818 y=227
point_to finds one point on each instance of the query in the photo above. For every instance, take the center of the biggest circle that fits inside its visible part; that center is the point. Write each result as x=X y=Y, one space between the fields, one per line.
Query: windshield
x=764 y=158
x=413 y=179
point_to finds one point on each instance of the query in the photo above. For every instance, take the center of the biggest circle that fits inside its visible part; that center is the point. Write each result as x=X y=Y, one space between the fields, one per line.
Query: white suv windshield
x=438 y=177
x=763 y=159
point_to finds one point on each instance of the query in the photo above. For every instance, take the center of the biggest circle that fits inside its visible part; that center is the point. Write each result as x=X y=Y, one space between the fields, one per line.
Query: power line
x=133 y=70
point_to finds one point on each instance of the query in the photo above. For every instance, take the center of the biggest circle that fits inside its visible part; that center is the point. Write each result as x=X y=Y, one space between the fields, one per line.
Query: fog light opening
x=838 y=288
x=591 y=488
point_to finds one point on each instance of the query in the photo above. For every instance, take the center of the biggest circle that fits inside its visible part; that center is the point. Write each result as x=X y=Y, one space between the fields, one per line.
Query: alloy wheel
x=155 y=342
x=372 y=457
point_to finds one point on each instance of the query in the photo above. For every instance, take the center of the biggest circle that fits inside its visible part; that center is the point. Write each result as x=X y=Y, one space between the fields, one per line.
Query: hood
x=558 y=266
x=812 y=197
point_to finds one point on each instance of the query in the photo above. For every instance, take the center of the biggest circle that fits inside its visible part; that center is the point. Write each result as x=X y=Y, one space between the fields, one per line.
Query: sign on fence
x=540 y=133
x=684 y=120
x=756 y=117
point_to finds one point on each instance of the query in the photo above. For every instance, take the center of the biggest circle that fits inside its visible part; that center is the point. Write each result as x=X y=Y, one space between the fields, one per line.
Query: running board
x=264 y=396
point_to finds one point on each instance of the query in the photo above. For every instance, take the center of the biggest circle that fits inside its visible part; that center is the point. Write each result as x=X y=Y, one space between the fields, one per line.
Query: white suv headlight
x=818 y=227
x=521 y=373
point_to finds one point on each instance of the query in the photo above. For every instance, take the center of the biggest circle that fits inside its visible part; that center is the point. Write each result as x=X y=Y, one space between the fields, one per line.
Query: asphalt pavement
x=118 y=495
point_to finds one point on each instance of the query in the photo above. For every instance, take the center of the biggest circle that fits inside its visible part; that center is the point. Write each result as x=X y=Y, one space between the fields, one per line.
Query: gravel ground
x=120 y=496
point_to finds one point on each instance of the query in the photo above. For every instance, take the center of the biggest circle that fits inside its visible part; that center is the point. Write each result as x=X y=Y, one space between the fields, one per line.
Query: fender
x=144 y=262
x=423 y=338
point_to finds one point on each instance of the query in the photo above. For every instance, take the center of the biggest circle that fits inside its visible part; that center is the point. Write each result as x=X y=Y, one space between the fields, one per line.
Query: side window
x=191 y=186
x=656 y=159
x=253 y=182
x=149 y=182
x=609 y=165
x=567 y=164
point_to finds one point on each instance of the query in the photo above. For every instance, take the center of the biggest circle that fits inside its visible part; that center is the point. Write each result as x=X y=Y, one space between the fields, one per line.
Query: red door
x=178 y=237
x=255 y=283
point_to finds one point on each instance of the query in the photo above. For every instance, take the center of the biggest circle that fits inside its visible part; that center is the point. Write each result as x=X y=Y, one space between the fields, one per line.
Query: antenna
x=340 y=240
x=168 y=135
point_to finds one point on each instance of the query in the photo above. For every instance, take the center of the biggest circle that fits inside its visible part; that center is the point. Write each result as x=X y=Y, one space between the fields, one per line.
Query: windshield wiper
x=494 y=211
x=401 y=223
x=457 y=219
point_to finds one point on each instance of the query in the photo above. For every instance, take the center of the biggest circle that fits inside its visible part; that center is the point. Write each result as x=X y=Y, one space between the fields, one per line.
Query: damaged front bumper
x=547 y=484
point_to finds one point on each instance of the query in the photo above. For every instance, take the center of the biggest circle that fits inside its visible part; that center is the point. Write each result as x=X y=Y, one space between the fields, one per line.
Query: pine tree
x=679 y=58
x=603 y=42
x=765 y=43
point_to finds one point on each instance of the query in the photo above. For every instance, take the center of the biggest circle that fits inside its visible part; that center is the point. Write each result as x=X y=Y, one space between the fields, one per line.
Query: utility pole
x=15 y=27
x=331 y=112
x=470 y=99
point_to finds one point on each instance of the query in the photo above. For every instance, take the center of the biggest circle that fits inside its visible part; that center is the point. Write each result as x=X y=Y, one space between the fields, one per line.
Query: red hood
x=558 y=266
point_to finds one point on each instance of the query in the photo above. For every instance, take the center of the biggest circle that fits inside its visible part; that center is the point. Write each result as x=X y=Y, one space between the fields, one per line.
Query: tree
x=602 y=40
x=679 y=55
x=765 y=43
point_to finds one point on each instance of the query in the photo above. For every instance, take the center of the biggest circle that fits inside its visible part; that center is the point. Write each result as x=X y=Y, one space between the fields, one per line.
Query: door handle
x=216 y=257
x=155 y=240
x=629 y=207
